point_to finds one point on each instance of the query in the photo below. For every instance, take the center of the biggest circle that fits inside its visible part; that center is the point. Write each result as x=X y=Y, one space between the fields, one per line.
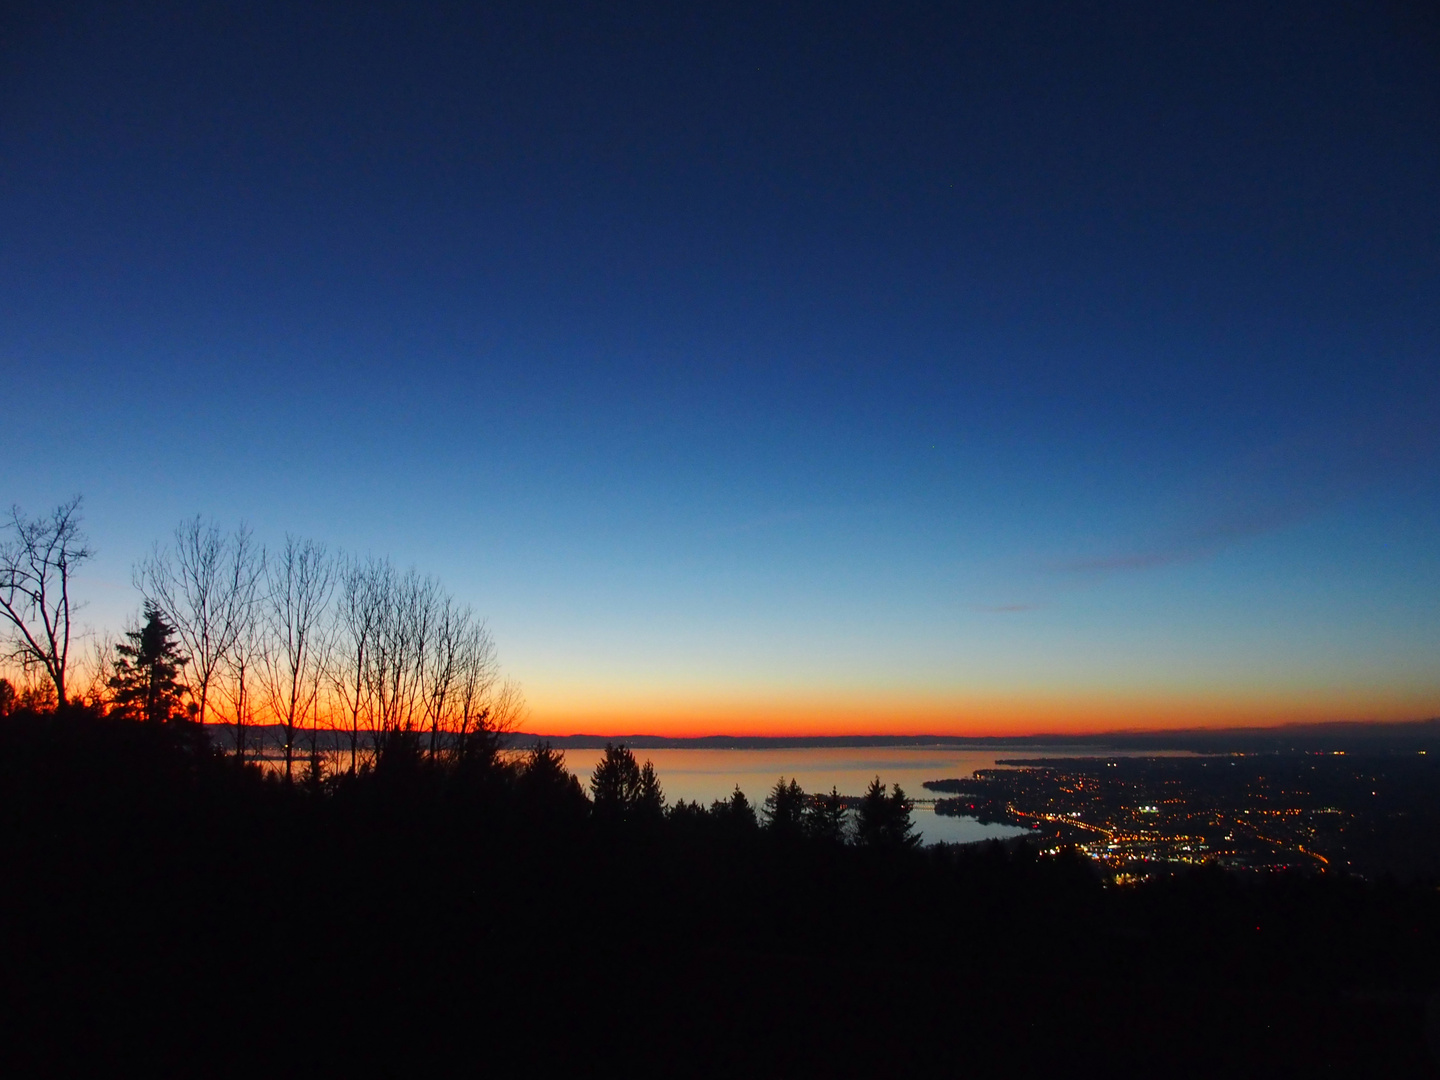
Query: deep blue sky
x=794 y=366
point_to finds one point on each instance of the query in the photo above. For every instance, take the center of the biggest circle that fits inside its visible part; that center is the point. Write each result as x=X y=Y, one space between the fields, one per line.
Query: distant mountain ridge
x=1371 y=735
x=1337 y=735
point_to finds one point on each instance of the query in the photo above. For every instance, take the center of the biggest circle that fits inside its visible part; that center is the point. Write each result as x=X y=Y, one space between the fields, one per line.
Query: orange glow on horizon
x=674 y=713
x=1074 y=714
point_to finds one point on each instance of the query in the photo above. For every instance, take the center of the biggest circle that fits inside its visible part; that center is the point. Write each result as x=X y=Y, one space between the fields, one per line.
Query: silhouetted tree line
x=348 y=658
x=442 y=903
x=624 y=791
x=416 y=910
x=386 y=664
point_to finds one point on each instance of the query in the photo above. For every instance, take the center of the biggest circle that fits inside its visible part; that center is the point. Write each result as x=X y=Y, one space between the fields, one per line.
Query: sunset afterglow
x=1069 y=713
x=720 y=539
x=897 y=412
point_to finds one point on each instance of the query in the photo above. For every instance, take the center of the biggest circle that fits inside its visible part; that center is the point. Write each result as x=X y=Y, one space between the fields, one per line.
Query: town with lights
x=1138 y=818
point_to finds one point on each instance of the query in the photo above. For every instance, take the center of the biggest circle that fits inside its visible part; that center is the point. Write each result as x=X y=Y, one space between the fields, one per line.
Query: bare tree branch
x=350 y=665
x=299 y=580
x=37 y=559
x=206 y=586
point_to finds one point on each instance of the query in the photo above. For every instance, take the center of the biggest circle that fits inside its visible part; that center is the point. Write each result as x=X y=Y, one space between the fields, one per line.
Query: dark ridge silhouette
x=1336 y=735
x=167 y=905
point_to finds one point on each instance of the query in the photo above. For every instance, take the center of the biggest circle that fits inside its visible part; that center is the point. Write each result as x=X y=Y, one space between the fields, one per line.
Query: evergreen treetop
x=146 y=684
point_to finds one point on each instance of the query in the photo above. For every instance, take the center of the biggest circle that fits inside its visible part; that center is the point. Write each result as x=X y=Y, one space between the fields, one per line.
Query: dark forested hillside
x=164 y=904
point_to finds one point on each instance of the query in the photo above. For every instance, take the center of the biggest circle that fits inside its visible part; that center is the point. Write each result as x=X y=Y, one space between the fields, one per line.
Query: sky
x=775 y=368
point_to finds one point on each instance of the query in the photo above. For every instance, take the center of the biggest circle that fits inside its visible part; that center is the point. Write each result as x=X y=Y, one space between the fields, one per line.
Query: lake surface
x=707 y=775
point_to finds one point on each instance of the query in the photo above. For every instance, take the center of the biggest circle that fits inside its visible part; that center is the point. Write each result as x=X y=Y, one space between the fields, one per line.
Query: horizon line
x=1296 y=727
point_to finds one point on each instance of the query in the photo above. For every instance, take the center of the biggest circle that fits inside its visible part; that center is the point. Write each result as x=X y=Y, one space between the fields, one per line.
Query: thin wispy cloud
x=1203 y=544
x=1273 y=488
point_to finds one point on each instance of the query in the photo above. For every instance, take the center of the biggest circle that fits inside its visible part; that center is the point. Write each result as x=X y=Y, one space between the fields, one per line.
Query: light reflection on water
x=707 y=775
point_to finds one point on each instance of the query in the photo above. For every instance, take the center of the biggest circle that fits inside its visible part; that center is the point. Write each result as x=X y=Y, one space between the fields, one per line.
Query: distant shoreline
x=1355 y=736
x=1340 y=735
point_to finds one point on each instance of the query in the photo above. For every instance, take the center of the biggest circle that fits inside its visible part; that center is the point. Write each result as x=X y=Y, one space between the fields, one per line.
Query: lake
x=707 y=775
x=704 y=775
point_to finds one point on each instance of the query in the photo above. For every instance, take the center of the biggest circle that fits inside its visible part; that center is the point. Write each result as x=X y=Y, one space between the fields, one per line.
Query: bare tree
x=37 y=559
x=445 y=669
x=484 y=708
x=503 y=711
x=429 y=672
x=359 y=610
x=389 y=662
x=467 y=707
x=97 y=670
x=408 y=615
x=206 y=586
x=478 y=674
x=244 y=579
x=240 y=665
x=423 y=608
x=396 y=663
x=299 y=580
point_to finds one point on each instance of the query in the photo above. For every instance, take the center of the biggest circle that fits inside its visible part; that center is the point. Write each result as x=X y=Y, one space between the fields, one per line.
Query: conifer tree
x=735 y=813
x=624 y=791
x=146 y=684
x=883 y=821
x=649 y=796
x=546 y=787
x=784 y=809
x=826 y=818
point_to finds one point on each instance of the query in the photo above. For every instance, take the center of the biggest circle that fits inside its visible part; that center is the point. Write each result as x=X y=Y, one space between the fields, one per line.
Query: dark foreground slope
x=161 y=906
